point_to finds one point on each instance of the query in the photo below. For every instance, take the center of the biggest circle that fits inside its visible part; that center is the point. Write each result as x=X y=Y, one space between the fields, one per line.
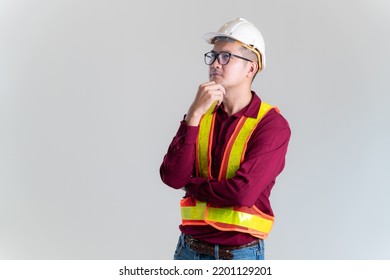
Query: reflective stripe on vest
x=243 y=219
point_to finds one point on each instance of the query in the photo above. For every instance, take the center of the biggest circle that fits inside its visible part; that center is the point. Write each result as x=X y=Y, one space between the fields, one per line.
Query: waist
x=214 y=236
x=224 y=251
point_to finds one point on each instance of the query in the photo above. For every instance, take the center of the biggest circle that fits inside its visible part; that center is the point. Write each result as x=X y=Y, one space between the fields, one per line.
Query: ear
x=252 y=69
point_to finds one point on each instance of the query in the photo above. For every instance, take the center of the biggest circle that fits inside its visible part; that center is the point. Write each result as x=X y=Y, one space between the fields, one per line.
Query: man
x=227 y=153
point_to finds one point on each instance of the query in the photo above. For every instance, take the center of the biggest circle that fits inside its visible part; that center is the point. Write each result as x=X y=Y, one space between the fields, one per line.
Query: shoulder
x=273 y=131
x=273 y=119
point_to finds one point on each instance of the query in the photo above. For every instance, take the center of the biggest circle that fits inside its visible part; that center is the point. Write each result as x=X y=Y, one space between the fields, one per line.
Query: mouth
x=214 y=73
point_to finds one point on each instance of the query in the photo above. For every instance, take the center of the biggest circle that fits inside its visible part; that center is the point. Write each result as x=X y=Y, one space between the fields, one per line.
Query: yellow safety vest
x=242 y=219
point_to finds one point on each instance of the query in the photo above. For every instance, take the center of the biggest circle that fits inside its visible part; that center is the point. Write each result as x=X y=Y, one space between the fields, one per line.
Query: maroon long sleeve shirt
x=264 y=160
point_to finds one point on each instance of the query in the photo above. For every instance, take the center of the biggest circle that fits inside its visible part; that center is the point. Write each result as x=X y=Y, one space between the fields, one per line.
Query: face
x=232 y=74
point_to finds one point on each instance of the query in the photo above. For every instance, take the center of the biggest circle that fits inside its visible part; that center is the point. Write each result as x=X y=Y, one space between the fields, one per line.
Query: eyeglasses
x=222 y=57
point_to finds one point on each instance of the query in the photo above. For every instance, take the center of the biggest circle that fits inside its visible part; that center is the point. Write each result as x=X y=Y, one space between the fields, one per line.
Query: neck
x=234 y=102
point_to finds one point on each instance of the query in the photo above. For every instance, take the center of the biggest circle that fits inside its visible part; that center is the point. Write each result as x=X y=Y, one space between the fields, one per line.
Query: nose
x=216 y=62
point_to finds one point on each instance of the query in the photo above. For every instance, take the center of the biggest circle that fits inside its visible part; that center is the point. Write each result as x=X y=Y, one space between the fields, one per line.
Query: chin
x=216 y=78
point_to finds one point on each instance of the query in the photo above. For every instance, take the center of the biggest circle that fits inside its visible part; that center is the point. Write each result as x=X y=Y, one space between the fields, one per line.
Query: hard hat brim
x=208 y=37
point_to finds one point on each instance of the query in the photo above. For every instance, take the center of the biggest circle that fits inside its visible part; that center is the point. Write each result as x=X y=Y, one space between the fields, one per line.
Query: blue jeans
x=183 y=252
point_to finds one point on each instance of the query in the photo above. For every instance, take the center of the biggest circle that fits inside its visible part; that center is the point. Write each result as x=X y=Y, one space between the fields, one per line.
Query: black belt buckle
x=225 y=254
x=190 y=242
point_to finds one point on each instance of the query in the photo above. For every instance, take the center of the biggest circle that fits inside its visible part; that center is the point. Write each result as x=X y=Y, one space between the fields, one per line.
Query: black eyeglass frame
x=216 y=56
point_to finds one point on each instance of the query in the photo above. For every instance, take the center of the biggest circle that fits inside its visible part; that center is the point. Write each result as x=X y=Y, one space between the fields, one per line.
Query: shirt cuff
x=190 y=133
x=193 y=186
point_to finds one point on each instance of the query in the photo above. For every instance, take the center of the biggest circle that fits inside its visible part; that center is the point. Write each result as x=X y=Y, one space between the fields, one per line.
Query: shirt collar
x=251 y=110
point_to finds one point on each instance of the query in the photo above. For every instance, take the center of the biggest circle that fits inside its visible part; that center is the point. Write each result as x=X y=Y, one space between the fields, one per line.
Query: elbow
x=241 y=198
x=244 y=196
x=172 y=183
x=171 y=180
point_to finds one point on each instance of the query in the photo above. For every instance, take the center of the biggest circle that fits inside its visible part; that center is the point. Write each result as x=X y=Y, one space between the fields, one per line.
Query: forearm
x=255 y=177
x=241 y=190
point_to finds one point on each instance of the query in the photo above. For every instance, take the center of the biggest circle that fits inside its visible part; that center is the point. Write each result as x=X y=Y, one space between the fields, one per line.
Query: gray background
x=92 y=92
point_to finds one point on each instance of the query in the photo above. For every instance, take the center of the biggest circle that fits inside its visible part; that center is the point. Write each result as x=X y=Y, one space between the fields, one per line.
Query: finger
x=207 y=84
x=215 y=87
x=218 y=96
x=222 y=89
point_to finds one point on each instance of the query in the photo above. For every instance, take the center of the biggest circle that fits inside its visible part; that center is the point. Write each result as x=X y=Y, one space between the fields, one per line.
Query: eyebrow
x=221 y=51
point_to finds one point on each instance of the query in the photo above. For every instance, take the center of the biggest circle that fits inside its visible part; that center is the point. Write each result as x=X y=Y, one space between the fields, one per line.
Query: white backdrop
x=92 y=92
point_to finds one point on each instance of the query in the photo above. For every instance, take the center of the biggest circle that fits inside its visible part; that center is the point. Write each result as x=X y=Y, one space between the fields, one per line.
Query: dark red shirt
x=264 y=160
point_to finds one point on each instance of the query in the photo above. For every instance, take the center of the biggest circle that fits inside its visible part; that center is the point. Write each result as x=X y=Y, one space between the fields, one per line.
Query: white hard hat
x=244 y=32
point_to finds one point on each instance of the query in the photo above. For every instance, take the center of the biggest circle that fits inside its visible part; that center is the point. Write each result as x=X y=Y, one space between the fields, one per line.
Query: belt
x=206 y=248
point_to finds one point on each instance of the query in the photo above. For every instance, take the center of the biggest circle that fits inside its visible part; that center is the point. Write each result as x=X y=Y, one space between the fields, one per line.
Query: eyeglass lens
x=223 y=57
